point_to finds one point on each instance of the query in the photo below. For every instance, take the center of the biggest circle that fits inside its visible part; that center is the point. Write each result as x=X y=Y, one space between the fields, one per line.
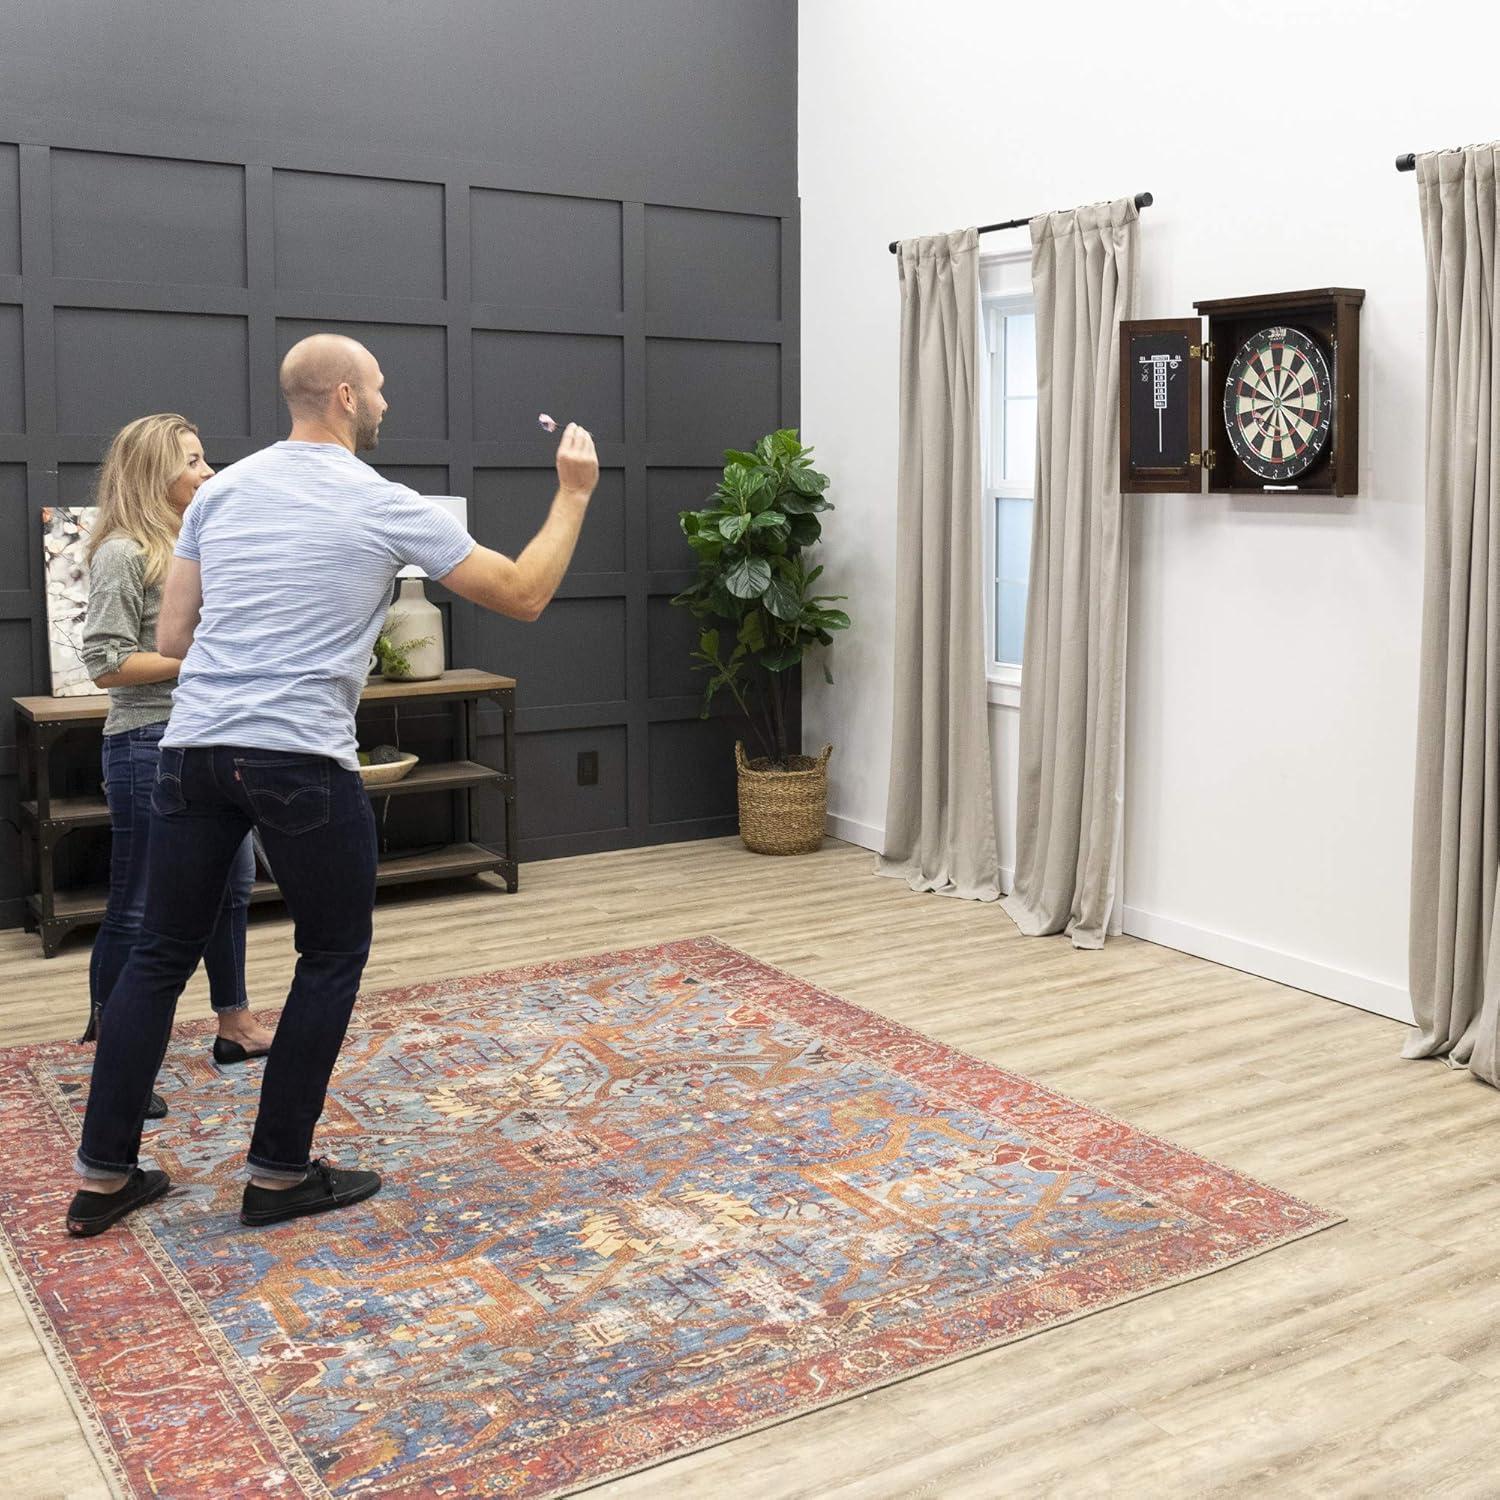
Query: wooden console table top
x=458 y=682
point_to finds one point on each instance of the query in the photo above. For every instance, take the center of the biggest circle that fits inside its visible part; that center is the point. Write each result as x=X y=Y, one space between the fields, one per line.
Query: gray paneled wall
x=139 y=278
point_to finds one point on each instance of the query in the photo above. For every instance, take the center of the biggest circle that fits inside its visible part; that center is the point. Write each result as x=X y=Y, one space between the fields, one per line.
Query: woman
x=153 y=469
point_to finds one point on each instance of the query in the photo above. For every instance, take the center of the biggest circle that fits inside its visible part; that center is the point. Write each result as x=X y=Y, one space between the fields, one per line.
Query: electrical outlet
x=588 y=768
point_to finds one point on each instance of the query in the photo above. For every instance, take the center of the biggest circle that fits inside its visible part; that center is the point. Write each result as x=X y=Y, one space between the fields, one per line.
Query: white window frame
x=1006 y=288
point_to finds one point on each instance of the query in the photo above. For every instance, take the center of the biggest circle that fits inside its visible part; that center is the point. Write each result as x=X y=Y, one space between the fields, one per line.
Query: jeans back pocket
x=166 y=790
x=288 y=792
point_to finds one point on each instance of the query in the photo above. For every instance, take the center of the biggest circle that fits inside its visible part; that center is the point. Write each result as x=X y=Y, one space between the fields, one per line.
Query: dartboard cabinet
x=1281 y=410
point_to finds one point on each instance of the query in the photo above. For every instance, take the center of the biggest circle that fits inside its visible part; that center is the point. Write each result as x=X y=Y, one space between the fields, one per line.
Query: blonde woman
x=150 y=475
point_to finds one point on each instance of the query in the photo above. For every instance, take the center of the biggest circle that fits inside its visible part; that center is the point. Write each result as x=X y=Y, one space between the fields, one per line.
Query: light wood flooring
x=1362 y=1361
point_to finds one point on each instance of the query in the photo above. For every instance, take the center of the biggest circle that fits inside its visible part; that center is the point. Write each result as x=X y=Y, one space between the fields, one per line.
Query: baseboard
x=866 y=835
x=1376 y=995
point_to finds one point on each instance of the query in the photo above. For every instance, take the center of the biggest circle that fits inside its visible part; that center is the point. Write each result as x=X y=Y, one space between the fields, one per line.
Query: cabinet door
x=1161 y=406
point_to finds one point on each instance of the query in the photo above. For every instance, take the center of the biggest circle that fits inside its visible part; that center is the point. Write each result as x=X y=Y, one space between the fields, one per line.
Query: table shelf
x=41 y=723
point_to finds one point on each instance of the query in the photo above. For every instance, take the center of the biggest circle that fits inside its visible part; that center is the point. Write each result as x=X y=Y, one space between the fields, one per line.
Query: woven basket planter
x=783 y=812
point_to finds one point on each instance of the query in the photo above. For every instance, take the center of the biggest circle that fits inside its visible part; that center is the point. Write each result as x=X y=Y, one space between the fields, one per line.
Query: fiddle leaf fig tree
x=754 y=592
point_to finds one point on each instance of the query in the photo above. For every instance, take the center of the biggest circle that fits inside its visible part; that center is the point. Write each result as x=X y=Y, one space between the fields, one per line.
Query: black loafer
x=92 y=1213
x=325 y=1187
x=227 y=1052
x=157 y=1108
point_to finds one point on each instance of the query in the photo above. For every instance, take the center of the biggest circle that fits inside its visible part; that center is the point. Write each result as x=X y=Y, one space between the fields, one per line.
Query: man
x=280 y=582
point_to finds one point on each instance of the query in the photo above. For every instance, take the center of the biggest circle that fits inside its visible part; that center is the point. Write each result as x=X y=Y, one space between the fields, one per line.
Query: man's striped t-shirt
x=299 y=545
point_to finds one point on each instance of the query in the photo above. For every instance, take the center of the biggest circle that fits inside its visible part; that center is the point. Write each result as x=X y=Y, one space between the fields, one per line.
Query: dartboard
x=1278 y=403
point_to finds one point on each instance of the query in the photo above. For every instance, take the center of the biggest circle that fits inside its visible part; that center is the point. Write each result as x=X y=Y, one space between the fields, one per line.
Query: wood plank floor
x=1362 y=1361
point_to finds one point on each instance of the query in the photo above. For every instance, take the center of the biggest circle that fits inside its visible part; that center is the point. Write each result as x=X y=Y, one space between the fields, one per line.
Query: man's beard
x=366 y=428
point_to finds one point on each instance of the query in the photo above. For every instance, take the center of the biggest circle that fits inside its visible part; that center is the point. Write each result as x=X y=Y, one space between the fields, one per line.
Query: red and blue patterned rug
x=635 y=1204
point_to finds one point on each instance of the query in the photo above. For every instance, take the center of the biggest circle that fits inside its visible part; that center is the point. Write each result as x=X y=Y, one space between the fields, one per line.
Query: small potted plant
x=753 y=598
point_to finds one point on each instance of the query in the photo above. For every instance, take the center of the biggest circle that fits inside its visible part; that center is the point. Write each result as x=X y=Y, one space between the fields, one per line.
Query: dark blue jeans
x=315 y=821
x=129 y=761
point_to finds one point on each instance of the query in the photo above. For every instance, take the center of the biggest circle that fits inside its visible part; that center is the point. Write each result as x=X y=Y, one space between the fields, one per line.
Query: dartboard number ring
x=1278 y=403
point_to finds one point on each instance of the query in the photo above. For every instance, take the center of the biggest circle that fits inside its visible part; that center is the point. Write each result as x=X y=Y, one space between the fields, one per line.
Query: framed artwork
x=65 y=532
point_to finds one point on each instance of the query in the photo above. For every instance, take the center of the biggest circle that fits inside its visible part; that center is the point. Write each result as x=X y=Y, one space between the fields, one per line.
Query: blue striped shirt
x=298 y=545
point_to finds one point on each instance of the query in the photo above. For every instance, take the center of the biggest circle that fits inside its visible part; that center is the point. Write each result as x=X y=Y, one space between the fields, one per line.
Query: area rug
x=636 y=1204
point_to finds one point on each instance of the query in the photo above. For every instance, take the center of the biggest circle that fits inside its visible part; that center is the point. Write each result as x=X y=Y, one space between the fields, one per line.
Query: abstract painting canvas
x=65 y=531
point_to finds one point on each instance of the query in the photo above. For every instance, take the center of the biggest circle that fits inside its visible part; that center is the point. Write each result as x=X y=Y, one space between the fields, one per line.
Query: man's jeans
x=129 y=763
x=315 y=821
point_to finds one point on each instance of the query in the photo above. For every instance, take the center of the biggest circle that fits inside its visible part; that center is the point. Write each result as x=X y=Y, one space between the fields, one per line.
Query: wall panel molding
x=451 y=266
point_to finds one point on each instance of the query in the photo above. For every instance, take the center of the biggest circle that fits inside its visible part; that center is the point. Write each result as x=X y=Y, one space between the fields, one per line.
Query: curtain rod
x=1142 y=200
x=1407 y=161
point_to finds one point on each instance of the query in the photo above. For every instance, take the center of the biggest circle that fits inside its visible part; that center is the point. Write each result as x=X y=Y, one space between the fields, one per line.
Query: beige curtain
x=1070 y=800
x=940 y=812
x=1454 y=955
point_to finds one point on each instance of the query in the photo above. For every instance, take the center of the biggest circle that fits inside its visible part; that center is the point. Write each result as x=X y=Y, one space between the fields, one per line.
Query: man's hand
x=577 y=463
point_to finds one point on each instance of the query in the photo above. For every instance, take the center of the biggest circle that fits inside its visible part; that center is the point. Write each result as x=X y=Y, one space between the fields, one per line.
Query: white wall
x=1273 y=642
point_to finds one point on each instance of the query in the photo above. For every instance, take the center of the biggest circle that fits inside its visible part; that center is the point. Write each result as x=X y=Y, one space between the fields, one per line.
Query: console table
x=46 y=819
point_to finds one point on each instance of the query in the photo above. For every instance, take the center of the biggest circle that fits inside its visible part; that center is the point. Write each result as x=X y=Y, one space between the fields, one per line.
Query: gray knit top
x=122 y=620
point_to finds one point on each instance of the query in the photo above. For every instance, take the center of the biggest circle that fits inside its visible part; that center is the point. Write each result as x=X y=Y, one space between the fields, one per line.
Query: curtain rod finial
x=1144 y=200
x=1407 y=162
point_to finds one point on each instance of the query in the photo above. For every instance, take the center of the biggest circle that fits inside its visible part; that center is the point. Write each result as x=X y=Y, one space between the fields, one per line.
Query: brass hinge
x=1203 y=460
x=1202 y=351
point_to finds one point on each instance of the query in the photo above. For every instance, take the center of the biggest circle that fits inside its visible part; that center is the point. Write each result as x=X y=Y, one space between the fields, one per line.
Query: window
x=1009 y=458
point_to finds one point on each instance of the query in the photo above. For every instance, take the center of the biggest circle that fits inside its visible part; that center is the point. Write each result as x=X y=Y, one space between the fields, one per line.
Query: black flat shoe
x=92 y=1213
x=157 y=1108
x=325 y=1187
x=226 y=1052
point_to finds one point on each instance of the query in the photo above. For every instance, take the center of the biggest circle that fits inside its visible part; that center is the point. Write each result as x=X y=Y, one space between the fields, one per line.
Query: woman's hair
x=143 y=462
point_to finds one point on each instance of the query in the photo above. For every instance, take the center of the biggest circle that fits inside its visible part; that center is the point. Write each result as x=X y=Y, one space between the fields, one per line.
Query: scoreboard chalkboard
x=1160 y=401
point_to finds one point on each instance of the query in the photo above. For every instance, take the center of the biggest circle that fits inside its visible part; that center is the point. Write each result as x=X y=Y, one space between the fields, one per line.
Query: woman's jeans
x=314 y=818
x=129 y=774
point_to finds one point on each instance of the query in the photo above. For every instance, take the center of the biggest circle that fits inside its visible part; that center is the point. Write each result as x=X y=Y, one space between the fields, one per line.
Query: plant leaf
x=781 y=661
x=748 y=578
x=802 y=505
x=783 y=599
x=752 y=634
x=805 y=530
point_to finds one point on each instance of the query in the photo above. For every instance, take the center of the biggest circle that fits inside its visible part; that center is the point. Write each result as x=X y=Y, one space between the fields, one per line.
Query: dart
x=548 y=423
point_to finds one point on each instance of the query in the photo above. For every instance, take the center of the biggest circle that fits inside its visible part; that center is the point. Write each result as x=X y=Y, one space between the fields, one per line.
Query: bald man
x=279 y=586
